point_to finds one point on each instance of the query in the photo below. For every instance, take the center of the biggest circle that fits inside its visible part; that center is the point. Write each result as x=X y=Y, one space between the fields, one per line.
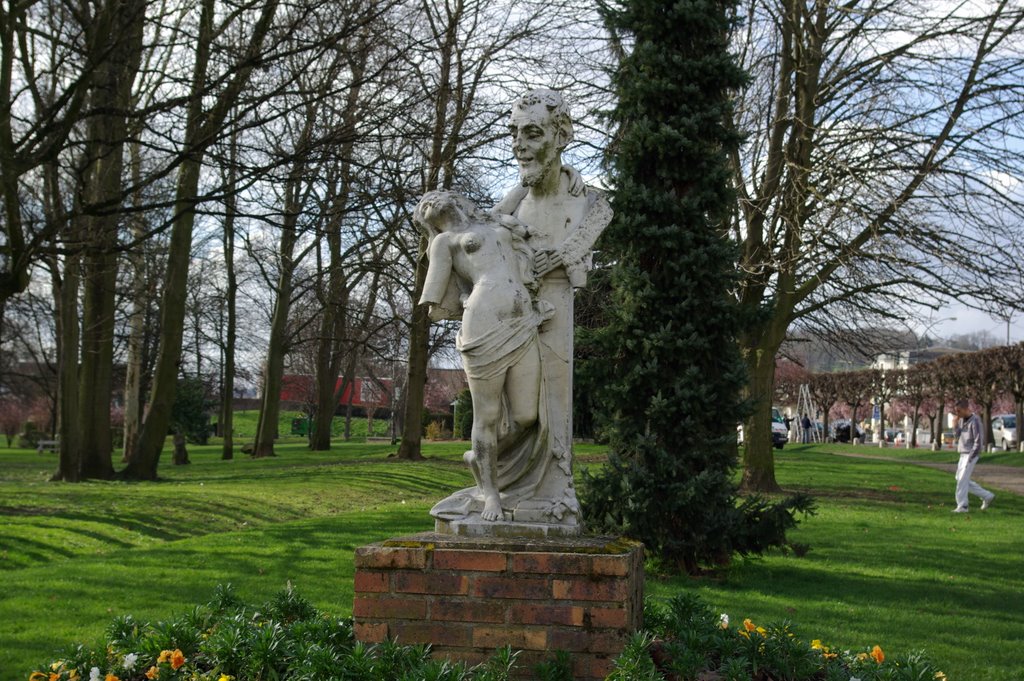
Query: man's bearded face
x=534 y=144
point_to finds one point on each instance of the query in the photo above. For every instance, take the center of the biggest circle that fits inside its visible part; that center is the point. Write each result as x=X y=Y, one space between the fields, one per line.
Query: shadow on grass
x=315 y=556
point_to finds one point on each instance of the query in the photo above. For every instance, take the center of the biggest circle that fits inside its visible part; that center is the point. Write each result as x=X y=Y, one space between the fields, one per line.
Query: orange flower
x=177 y=659
x=877 y=655
x=748 y=625
x=153 y=673
x=111 y=677
x=165 y=655
x=54 y=676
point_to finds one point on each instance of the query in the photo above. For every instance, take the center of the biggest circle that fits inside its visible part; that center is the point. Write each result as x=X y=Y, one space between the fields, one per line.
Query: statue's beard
x=531 y=177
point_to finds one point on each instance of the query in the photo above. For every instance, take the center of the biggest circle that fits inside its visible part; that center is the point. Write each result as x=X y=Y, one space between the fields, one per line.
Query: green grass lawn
x=245 y=424
x=888 y=563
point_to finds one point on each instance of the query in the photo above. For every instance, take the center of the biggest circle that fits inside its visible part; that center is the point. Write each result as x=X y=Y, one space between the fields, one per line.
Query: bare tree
x=875 y=169
x=202 y=127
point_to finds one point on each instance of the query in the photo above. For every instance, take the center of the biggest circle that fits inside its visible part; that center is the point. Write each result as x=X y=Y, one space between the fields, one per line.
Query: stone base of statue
x=467 y=596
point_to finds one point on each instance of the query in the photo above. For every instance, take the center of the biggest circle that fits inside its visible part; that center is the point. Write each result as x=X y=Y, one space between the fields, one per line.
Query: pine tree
x=673 y=373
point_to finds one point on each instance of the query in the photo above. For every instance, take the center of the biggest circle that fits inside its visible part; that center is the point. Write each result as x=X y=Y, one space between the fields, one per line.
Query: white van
x=780 y=434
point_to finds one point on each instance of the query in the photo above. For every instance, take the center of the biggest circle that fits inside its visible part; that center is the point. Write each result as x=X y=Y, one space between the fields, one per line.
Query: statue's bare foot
x=492 y=509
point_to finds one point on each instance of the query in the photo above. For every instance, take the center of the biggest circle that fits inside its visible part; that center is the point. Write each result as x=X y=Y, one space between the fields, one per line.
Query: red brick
x=371 y=582
x=590 y=589
x=613 y=642
x=430 y=583
x=387 y=608
x=552 y=563
x=612 y=566
x=592 y=666
x=606 y=618
x=433 y=633
x=470 y=561
x=465 y=611
x=371 y=632
x=570 y=640
x=511 y=587
x=520 y=638
x=390 y=557
x=546 y=614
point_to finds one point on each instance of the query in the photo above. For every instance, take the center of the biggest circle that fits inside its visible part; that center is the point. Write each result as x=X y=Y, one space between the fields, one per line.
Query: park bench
x=47 y=446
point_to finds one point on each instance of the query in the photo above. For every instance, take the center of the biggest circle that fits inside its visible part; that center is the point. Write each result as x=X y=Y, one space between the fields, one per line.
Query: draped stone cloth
x=524 y=457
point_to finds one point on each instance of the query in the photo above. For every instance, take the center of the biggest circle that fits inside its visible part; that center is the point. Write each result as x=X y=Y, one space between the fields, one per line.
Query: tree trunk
x=180 y=450
x=136 y=325
x=419 y=339
x=66 y=299
x=273 y=371
x=108 y=133
x=227 y=410
x=200 y=132
x=758 y=452
x=332 y=330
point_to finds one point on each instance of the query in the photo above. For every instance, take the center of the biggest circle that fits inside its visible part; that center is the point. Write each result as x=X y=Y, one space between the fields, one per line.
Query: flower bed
x=287 y=639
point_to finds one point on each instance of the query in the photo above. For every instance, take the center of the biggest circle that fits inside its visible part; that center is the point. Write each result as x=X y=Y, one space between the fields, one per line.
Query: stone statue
x=481 y=270
x=511 y=276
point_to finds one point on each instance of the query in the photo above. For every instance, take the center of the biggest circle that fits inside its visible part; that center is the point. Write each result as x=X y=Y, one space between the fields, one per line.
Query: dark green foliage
x=765 y=522
x=190 y=414
x=285 y=639
x=463 y=426
x=670 y=372
x=685 y=639
x=673 y=370
x=558 y=668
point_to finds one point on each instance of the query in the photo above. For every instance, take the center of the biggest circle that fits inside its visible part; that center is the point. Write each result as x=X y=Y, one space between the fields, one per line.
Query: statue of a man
x=564 y=218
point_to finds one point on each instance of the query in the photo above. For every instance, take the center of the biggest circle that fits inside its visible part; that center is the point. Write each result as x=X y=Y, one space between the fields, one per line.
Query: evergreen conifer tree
x=672 y=370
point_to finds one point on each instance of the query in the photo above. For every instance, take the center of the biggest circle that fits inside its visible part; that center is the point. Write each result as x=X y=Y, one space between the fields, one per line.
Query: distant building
x=443 y=386
x=901 y=359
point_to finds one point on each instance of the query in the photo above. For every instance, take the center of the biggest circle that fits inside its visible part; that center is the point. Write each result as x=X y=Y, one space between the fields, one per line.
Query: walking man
x=969 y=441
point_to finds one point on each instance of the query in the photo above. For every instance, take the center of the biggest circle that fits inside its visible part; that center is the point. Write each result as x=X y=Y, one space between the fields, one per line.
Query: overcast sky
x=970 y=321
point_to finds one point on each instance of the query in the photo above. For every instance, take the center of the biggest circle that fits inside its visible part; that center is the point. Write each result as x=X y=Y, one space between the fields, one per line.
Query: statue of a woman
x=482 y=270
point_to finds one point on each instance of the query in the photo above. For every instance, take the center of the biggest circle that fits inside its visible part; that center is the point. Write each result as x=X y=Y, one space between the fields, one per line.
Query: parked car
x=780 y=436
x=1004 y=431
x=841 y=431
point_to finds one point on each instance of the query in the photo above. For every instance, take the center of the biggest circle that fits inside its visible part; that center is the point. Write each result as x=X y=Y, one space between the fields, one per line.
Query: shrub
x=286 y=639
x=685 y=639
x=463 y=420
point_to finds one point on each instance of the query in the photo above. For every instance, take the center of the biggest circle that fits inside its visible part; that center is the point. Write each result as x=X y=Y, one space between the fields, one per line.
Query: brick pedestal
x=467 y=596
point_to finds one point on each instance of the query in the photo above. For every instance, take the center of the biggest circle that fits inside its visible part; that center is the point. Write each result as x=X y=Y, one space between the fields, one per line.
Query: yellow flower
x=877 y=655
x=165 y=655
x=940 y=676
x=744 y=634
x=762 y=631
x=225 y=677
x=748 y=625
x=154 y=672
x=816 y=644
x=861 y=657
x=37 y=676
x=56 y=666
x=73 y=675
x=177 y=659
